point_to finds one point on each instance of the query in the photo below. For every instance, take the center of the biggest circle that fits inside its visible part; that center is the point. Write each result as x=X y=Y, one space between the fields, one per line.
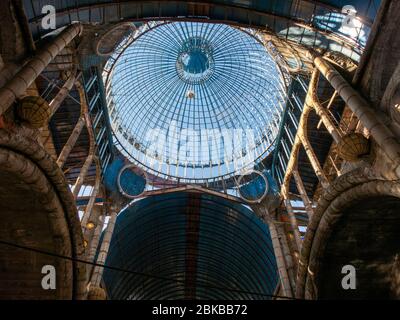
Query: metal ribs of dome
x=191 y=83
x=189 y=244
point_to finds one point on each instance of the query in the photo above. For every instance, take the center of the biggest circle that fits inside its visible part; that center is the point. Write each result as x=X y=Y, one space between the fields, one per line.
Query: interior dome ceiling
x=195 y=101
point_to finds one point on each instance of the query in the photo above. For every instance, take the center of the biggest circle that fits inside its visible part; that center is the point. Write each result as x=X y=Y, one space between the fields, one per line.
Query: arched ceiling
x=311 y=23
x=189 y=246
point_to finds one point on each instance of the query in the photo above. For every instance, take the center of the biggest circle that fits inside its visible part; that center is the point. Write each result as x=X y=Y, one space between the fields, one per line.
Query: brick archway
x=341 y=203
x=37 y=211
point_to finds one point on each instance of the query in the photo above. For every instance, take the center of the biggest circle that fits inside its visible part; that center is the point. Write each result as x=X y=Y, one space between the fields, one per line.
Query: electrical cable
x=138 y=273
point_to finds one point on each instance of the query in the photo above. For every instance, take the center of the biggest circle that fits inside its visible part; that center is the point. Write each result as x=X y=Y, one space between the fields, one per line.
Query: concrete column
x=364 y=112
x=105 y=245
x=17 y=86
x=303 y=193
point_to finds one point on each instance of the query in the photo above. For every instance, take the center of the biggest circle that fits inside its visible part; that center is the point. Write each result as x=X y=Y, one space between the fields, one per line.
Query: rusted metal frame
x=292 y=163
x=91 y=157
x=333 y=161
x=292 y=51
x=58 y=87
x=331 y=100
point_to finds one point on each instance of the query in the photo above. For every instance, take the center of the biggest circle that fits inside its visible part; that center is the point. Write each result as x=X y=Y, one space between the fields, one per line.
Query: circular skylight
x=195 y=63
x=195 y=101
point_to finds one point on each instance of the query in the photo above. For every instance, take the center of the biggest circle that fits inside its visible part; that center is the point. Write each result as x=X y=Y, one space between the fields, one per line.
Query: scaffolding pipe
x=66 y=150
x=84 y=118
x=82 y=174
x=23 y=79
x=263 y=212
x=92 y=236
x=320 y=110
x=280 y=259
x=364 y=112
x=314 y=161
x=303 y=193
x=94 y=243
x=293 y=222
x=92 y=147
x=105 y=245
x=64 y=91
x=289 y=258
x=89 y=207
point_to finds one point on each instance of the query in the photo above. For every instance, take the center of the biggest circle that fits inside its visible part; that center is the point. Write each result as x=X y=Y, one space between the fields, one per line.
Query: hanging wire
x=147 y=275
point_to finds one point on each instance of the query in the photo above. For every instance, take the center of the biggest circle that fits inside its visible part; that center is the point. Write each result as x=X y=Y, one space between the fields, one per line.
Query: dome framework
x=195 y=102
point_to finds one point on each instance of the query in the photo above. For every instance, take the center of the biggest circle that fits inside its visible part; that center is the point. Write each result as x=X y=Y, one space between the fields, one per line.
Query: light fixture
x=190 y=94
x=90 y=225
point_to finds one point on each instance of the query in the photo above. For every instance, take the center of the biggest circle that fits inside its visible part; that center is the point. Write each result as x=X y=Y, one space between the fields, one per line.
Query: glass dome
x=195 y=102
